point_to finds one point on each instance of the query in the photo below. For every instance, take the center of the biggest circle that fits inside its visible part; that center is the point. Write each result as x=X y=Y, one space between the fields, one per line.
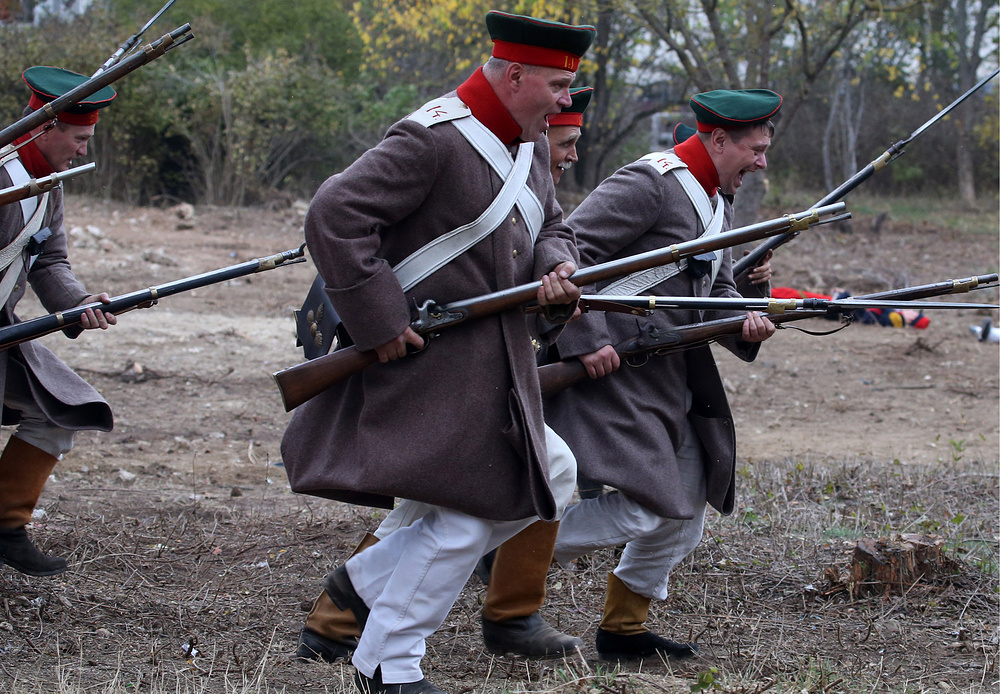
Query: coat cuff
x=373 y=312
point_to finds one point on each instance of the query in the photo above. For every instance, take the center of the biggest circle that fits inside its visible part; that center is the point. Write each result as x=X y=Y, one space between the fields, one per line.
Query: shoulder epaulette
x=440 y=110
x=663 y=161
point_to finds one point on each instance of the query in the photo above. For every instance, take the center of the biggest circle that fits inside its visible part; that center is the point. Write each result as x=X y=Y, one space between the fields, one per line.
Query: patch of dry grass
x=157 y=573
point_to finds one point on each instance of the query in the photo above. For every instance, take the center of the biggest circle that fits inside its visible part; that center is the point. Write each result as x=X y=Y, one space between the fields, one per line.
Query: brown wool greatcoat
x=64 y=397
x=624 y=428
x=459 y=424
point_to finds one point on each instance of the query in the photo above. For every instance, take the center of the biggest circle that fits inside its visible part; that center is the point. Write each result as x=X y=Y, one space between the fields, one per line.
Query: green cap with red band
x=573 y=115
x=734 y=108
x=682 y=132
x=49 y=83
x=539 y=42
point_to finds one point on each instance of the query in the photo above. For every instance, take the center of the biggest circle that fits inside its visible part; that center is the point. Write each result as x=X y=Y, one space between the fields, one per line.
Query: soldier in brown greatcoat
x=511 y=619
x=661 y=435
x=42 y=395
x=459 y=426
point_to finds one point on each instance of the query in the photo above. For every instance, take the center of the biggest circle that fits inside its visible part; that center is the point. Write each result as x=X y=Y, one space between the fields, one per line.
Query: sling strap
x=32 y=211
x=711 y=222
x=434 y=255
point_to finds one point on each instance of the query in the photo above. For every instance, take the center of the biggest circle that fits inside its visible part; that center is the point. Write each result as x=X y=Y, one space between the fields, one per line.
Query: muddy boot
x=330 y=633
x=23 y=469
x=623 y=635
x=511 y=623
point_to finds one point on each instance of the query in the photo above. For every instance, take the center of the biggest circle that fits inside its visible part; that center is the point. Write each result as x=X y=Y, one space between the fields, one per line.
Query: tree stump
x=895 y=565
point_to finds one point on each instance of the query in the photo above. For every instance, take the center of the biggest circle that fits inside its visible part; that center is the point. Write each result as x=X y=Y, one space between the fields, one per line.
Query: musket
x=37 y=186
x=33 y=328
x=131 y=41
x=745 y=264
x=301 y=382
x=645 y=305
x=653 y=341
x=49 y=111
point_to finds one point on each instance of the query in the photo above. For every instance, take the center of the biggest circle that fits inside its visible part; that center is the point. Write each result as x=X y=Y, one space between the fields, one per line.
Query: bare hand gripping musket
x=745 y=264
x=37 y=186
x=655 y=342
x=49 y=111
x=302 y=382
x=33 y=328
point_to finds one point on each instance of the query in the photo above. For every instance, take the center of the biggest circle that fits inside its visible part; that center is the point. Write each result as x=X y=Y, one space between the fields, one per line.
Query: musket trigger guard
x=637 y=360
x=413 y=349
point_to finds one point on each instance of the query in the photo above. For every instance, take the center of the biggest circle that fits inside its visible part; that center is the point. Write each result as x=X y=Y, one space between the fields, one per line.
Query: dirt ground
x=192 y=563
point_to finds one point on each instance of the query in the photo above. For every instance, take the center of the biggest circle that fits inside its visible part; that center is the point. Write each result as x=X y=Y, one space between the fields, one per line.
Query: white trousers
x=562 y=482
x=411 y=578
x=653 y=545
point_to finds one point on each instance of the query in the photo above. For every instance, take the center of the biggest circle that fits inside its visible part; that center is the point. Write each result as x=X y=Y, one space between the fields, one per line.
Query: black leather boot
x=611 y=646
x=20 y=554
x=529 y=636
x=313 y=646
x=374 y=685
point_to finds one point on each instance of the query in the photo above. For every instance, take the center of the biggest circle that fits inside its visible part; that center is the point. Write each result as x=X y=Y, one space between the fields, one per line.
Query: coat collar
x=693 y=153
x=486 y=106
x=34 y=163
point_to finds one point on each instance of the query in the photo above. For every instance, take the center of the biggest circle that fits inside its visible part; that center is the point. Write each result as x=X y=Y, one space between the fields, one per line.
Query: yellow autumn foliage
x=438 y=41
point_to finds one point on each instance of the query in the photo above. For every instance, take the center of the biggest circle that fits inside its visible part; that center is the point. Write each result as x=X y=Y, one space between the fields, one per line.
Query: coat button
x=513 y=220
x=515 y=252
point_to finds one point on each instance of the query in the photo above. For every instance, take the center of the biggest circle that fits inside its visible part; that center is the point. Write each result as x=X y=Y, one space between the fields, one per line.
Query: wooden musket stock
x=301 y=382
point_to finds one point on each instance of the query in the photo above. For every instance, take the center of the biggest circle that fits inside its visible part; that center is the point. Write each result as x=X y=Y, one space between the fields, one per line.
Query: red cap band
x=34 y=103
x=535 y=55
x=566 y=119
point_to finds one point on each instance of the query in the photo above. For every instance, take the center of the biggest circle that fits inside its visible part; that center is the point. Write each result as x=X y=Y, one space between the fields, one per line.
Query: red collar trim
x=693 y=153
x=32 y=158
x=486 y=106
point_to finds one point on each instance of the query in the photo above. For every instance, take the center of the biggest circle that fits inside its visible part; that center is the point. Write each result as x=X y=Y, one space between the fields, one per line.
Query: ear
x=718 y=139
x=513 y=75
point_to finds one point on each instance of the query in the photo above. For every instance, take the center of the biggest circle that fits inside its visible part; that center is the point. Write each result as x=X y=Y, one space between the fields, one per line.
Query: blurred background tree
x=272 y=97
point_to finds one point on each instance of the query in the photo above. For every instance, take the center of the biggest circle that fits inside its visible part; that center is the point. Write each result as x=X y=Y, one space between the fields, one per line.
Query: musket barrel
x=37 y=186
x=132 y=40
x=747 y=262
x=509 y=298
x=95 y=83
x=561 y=375
x=15 y=334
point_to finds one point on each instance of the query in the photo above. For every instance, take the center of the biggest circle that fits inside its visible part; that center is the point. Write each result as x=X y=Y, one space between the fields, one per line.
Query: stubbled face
x=540 y=92
x=63 y=143
x=740 y=156
x=562 y=148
